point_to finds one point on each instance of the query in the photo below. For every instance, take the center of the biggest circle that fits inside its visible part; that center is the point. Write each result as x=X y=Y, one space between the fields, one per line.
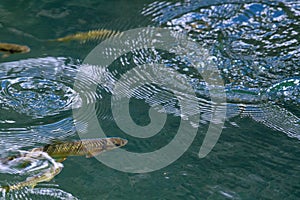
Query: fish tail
x=8 y=188
x=5 y=188
x=88 y=36
x=5 y=55
x=59 y=40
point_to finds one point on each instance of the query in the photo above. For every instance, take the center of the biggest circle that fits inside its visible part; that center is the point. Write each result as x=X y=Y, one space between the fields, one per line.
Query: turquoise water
x=255 y=47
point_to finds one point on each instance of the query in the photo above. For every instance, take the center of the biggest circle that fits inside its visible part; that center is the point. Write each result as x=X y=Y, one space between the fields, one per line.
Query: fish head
x=116 y=142
x=105 y=144
x=24 y=49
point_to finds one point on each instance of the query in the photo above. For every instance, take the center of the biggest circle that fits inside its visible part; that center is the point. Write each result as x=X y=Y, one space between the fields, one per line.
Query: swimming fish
x=34 y=180
x=90 y=35
x=88 y=147
x=60 y=151
x=9 y=48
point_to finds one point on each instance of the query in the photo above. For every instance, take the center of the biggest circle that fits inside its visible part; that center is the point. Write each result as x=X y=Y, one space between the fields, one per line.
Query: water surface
x=256 y=49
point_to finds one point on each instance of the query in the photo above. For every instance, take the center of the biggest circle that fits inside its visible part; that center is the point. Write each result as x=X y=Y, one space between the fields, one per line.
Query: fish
x=90 y=35
x=87 y=147
x=9 y=48
x=59 y=151
x=32 y=181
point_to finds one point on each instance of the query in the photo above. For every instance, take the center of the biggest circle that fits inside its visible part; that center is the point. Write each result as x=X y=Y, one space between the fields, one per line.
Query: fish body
x=9 y=48
x=59 y=151
x=90 y=35
x=34 y=180
x=87 y=147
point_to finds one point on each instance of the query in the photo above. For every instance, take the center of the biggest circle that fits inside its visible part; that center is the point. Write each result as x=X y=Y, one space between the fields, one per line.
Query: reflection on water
x=256 y=48
x=256 y=44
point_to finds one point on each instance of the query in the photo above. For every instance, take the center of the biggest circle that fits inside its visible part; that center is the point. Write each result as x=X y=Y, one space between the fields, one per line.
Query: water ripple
x=35 y=89
x=256 y=44
x=256 y=49
x=36 y=99
x=28 y=165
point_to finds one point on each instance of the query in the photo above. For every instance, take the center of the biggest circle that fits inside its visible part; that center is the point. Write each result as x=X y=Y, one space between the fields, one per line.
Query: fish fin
x=89 y=155
x=30 y=178
x=54 y=142
x=36 y=149
x=33 y=185
x=58 y=40
x=5 y=188
x=60 y=159
x=5 y=55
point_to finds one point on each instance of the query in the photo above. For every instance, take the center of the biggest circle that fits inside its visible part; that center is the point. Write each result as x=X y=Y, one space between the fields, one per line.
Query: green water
x=256 y=46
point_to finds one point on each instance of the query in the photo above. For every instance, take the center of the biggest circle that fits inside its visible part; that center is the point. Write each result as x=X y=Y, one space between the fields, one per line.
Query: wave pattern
x=36 y=101
x=27 y=166
x=254 y=45
x=36 y=88
x=257 y=50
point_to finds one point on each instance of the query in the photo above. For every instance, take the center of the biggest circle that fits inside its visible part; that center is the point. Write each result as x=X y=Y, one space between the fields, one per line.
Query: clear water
x=255 y=45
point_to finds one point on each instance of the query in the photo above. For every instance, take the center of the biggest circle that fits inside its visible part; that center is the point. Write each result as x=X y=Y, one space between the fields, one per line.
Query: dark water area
x=52 y=93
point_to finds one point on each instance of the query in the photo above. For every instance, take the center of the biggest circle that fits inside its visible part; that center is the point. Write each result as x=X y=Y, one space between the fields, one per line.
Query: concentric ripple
x=35 y=89
x=36 y=100
x=257 y=51
x=36 y=97
x=256 y=43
